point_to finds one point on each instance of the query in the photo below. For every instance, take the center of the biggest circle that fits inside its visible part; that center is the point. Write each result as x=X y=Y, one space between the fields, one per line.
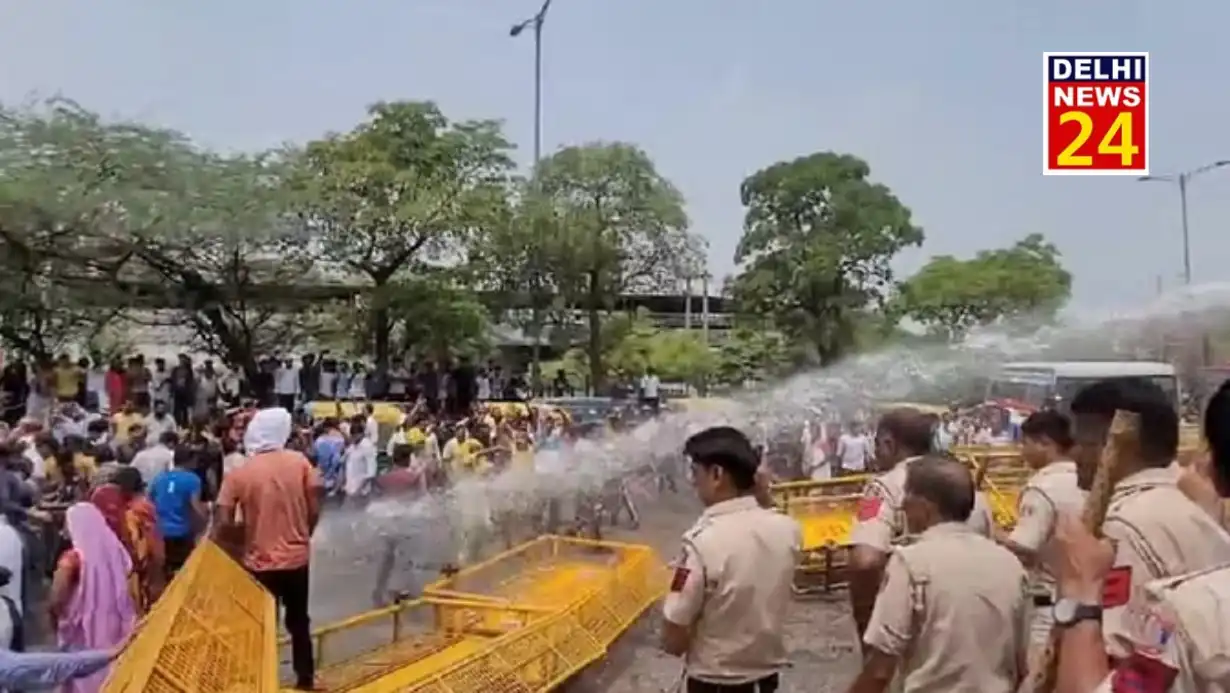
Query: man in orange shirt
x=278 y=492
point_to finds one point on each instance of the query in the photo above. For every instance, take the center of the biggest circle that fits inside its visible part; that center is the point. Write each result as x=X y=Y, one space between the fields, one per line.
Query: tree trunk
x=597 y=370
x=381 y=327
x=536 y=330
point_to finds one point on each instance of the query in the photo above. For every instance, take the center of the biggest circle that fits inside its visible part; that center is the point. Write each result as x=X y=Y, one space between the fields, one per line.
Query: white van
x=1055 y=382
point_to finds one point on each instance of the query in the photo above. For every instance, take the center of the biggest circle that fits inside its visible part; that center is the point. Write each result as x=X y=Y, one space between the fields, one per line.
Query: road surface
x=820 y=634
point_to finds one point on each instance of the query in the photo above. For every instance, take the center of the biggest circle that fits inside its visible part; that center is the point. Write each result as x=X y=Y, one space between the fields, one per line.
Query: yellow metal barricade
x=524 y=621
x=786 y=491
x=213 y=631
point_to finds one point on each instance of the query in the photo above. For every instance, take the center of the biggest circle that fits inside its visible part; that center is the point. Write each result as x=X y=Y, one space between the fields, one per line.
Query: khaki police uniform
x=1181 y=643
x=732 y=586
x=1158 y=533
x=952 y=607
x=1051 y=491
x=880 y=521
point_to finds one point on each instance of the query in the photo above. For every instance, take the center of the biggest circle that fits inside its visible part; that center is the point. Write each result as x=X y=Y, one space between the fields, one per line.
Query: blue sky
x=942 y=98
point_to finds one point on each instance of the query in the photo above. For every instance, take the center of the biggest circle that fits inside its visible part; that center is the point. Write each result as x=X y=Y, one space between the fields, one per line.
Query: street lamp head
x=516 y=30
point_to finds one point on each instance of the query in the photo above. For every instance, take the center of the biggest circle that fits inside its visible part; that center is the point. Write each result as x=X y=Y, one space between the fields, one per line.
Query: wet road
x=820 y=634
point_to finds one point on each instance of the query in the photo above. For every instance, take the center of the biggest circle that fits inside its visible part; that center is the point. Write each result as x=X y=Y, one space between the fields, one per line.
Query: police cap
x=725 y=447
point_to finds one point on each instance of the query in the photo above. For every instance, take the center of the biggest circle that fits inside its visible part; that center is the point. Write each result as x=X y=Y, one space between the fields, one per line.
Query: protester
x=157 y=458
x=133 y=519
x=176 y=495
x=278 y=491
x=91 y=606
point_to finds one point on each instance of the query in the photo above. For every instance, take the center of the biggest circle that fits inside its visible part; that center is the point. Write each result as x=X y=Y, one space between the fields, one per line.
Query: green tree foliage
x=622 y=230
x=752 y=355
x=434 y=317
x=517 y=258
x=632 y=345
x=818 y=237
x=405 y=187
x=97 y=215
x=949 y=296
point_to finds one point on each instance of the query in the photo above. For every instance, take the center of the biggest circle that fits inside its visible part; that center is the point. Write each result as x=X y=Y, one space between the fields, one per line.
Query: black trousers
x=177 y=551
x=766 y=685
x=290 y=588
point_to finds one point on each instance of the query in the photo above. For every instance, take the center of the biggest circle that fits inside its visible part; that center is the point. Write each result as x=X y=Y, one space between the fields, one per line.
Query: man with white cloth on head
x=279 y=493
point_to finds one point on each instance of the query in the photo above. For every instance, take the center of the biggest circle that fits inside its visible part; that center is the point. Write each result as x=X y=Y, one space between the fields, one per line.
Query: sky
x=941 y=98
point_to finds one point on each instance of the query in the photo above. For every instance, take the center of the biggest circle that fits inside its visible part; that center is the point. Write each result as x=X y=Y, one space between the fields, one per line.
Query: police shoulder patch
x=1142 y=674
x=680 y=579
x=1117 y=587
x=869 y=508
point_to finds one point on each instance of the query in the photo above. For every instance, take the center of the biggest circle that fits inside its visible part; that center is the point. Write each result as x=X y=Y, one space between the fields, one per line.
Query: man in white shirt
x=371 y=425
x=650 y=390
x=157 y=458
x=96 y=389
x=286 y=385
x=359 y=462
x=854 y=449
x=160 y=382
x=816 y=461
x=159 y=421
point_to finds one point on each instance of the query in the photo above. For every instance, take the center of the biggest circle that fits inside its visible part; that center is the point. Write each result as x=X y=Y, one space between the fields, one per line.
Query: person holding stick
x=1160 y=579
x=1158 y=532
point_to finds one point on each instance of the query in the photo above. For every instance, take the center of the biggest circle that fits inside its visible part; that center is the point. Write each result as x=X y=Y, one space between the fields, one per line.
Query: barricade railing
x=214 y=630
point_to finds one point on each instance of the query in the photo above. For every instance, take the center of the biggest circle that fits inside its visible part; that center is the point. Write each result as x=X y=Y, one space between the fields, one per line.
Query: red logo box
x=1095 y=114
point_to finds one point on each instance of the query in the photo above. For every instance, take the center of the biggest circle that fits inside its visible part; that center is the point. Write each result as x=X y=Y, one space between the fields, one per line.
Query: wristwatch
x=1069 y=612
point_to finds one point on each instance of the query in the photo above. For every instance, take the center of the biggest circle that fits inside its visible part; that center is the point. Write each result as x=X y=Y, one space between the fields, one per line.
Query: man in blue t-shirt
x=176 y=494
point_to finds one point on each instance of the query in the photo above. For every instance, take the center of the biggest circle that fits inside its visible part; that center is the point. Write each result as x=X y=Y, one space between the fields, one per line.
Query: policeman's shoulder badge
x=869 y=508
x=680 y=578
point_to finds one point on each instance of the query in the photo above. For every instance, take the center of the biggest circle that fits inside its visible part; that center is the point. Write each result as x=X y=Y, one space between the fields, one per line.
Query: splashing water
x=891 y=374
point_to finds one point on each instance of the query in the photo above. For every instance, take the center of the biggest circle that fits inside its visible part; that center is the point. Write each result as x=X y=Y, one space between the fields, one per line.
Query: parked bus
x=1055 y=383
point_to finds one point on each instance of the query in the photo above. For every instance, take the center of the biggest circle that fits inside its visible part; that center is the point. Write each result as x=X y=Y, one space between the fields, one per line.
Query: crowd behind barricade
x=110 y=477
x=840 y=444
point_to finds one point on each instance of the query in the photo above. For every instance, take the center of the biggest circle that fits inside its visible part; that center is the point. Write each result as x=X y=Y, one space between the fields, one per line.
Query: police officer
x=726 y=609
x=1157 y=531
x=950 y=614
x=903 y=435
x=1046 y=439
x=1178 y=641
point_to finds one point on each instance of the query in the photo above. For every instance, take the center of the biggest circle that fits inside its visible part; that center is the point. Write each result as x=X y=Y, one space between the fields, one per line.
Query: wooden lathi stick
x=1122 y=441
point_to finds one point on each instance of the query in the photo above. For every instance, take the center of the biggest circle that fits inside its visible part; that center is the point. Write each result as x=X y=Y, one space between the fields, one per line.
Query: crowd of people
x=1068 y=601
x=103 y=504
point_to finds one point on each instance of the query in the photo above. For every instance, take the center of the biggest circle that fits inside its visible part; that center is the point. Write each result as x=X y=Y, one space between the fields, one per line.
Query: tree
x=131 y=215
x=682 y=356
x=752 y=355
x=818 y=237
x=517 y=258
x=623 y=230
x=632 y=345
x=405 y=187
x=950 y=296
x=435 y=318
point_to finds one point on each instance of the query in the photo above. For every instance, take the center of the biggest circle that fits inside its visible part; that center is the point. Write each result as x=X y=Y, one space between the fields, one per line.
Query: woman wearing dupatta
x=91 y=606
x=132 y=518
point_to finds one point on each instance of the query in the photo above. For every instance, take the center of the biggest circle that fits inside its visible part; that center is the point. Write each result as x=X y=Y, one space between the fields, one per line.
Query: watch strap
x=1084 y=612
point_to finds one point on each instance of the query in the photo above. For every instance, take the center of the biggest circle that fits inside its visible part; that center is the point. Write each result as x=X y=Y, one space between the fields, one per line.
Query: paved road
x=819 y=633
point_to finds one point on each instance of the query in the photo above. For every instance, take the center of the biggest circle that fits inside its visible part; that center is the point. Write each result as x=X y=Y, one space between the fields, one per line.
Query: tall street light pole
x=536 y=22
x=1182 y=180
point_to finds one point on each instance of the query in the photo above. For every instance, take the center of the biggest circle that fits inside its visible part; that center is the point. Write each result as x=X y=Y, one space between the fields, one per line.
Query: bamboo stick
x=1121 y=442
